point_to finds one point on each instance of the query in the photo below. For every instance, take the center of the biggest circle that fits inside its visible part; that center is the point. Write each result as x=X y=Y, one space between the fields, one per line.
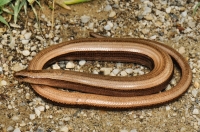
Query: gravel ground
x=170 y=22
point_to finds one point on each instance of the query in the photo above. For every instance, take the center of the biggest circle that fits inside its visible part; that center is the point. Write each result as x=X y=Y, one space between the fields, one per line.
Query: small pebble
x=17 y=130
x=26 y=52
x=66 y=119
x=37 y=112
x=168 y=108
x=145 y=31
x=115 y=71
x=192 y=24
x=9 y=129
x=85 y=19
x=95 y=72
x=1 y=69
x=168 y=10
x=112 y=14
x=27 y=95
x=184 y=14
x=119 y=65
x=123 y=131
x=153 y=37
x=32 y=116
x=195 y=112
x=41 y=108
x=106 y=71
x=27 y=35
x=141 y=73
x=82 y=62
x=181 y=50
x=129 y=70
x=133 y=130
x=47 y=107
x=123 y=73
x=107 y=27
x=55 y=66
x=70 y=65
x=15 y=118
x=149 y=17
x=3 y=83
x=107 y=8
x=196 y=84
x=18 y=67
x=24 y=41
x=22 y=124
x=10 y=107
x=195 y=92
x=64 y=129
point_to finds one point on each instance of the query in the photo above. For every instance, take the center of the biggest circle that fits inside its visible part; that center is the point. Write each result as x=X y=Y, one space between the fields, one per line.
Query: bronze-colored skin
x=107 y=91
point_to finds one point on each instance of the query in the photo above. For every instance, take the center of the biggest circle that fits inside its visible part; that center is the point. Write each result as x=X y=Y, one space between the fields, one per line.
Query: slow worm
x=107 y=91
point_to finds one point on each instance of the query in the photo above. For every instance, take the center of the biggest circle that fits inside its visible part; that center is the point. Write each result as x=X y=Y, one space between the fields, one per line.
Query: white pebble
x=70 y=64
x=10 y=128
x=15 y=118
x=18 y=67
x=3 y=83
x=194 y=92
x=133 y=130
x=56 y=66
x=123 y=73
x=149 y=17
x=196 y=84
x=107 y=8
x=27 y=95
x=17 y=130
x=173 y=81
x=153 y=37
x=23 y=32
x=82 y=62
x=129 y=70
x=112 y=14
x=181 y=50
x=27 y=35
x=33 y=48
x=119 y=65
x=110 y=24
x=105 y=70
x=141 y=73
x=47 y=107
x=168 y=108
x=91 y=25
x=24 y=41
x=55 y=38
x=107 y=27
x=26 y=52
x=195 y=112
x=184 y=14
x=22 y=124
x=66 y=119
x=85 y=19
x=123 y=131
x=37 y=112
x=41 y=108
x=9 y=107
x=168 y=10
x=192 y=24
x=136 y=71
x=95 y=72
x=115 y=71
x=64 y=129
x=32 y=116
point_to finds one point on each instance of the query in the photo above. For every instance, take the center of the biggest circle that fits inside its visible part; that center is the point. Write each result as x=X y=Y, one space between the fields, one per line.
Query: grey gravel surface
x=169 y=22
